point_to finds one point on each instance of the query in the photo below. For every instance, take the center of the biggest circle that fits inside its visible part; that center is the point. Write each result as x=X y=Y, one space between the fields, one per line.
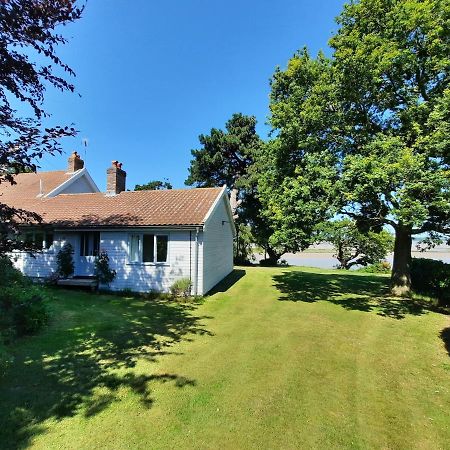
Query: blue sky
x=153 y=75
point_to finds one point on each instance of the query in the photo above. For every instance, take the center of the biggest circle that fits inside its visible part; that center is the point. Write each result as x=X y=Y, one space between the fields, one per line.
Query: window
x=148 y=248
x=41 y=239
x=90 y=243
x=134 y=248
x=161 y=248
x=148 y=251
x=48 y=240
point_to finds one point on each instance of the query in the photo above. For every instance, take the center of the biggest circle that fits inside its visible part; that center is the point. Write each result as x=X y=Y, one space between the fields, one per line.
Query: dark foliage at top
x=29 y=64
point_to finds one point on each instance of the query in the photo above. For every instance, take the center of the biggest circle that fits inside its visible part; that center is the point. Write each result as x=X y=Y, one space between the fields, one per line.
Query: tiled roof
x=29 y=184
x=137 y=208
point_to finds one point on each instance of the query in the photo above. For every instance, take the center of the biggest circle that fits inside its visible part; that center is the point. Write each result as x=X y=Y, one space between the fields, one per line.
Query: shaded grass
x=92 y=345
x=275 y=358
x=363 y=293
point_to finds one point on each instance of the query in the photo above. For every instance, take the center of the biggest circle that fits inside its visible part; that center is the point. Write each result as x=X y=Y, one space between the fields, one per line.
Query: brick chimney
x=74 y=163
x=115 y=179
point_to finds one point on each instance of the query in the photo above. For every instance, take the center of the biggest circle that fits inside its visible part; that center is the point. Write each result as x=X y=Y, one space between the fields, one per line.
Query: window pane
x=134 y=248
x=83 y=244
x=161 y=248
x=148 y=250
x=48 y=240
x=96 y=249
x=39 y=239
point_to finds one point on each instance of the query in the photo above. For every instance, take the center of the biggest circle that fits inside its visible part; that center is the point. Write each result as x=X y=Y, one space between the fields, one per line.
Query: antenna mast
x=85 y=143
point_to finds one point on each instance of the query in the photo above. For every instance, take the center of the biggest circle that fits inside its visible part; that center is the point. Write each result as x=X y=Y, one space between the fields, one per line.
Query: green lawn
x=278 y=358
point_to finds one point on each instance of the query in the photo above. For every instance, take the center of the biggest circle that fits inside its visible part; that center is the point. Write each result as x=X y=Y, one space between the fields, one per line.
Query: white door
x=88 y=249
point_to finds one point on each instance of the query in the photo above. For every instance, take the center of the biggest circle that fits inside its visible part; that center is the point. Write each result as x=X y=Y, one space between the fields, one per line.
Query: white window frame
x=155 y=249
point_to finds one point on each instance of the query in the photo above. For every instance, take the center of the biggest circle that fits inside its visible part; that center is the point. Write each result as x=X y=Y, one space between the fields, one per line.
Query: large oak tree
x=377 y=115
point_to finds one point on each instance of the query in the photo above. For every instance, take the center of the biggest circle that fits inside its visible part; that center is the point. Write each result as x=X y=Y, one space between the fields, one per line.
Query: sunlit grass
x=276 y=358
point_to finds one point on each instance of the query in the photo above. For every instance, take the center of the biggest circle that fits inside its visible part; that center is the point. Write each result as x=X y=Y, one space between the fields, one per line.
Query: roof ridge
x=177 y=189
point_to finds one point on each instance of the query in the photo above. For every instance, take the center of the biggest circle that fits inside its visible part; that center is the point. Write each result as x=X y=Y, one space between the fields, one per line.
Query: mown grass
x=276 y=358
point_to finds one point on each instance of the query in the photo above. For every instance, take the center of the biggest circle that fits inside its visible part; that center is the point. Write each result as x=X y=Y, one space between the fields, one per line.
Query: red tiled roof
x=29 y=184
x=136 y=208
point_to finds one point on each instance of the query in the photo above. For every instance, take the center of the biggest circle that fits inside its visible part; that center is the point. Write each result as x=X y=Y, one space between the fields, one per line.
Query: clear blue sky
x=153 y=75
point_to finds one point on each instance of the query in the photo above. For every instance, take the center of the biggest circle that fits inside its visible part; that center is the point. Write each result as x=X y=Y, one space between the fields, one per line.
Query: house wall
x=218 y=247
x=79 y=186
x=145 y=277
x=42 y=265
x=215 y=257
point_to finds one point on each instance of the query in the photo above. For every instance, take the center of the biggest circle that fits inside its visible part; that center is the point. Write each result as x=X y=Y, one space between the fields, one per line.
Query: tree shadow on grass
x=88 y=353
x=445 y=336
x=353 y=292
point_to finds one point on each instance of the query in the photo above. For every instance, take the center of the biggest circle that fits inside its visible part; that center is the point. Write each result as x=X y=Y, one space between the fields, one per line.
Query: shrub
x=64 y=260
x=380 y=267
x=30 y=315
x=22 y=306
x=181 y=287
x=103 y=272
x=8 y=274
x=432 y=277
x=267 y=263
x=5 y=358
x=52 y=279
x=23 y=310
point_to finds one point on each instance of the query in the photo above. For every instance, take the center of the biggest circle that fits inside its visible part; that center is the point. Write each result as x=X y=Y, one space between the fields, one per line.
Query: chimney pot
x=74 y=163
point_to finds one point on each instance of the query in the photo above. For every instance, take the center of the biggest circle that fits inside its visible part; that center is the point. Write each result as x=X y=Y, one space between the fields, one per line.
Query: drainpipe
x=196 y=262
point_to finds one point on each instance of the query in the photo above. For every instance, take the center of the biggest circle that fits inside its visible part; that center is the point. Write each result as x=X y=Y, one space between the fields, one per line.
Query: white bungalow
x=152 y=237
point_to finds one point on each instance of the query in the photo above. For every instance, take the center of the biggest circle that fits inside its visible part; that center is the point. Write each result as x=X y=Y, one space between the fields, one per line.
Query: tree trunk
x=273 y=255
x=401 y=270
x=234 y=202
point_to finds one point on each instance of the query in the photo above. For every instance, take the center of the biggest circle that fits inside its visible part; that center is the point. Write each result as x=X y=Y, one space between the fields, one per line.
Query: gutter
x=129 y=228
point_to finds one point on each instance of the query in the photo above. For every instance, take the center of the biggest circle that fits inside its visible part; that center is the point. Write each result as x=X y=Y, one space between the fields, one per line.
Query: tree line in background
x=362 y=134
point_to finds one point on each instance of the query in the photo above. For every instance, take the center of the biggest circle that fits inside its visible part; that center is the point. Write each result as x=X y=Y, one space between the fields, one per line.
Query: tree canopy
x=354 y=248
x=231 y=157
x=29 y=65
x=365 y=132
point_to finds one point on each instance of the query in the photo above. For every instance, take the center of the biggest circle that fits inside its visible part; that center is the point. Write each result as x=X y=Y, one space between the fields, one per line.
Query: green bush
x=8 y=274
x=103 y=272
x=22 y=305
x=30 y=314
x=23 y=310
x=380 y=267
x=181 y=288
x=270 y=263
x=432 y=277
x=5 y=359
x=64 y=260
x=267 y=263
